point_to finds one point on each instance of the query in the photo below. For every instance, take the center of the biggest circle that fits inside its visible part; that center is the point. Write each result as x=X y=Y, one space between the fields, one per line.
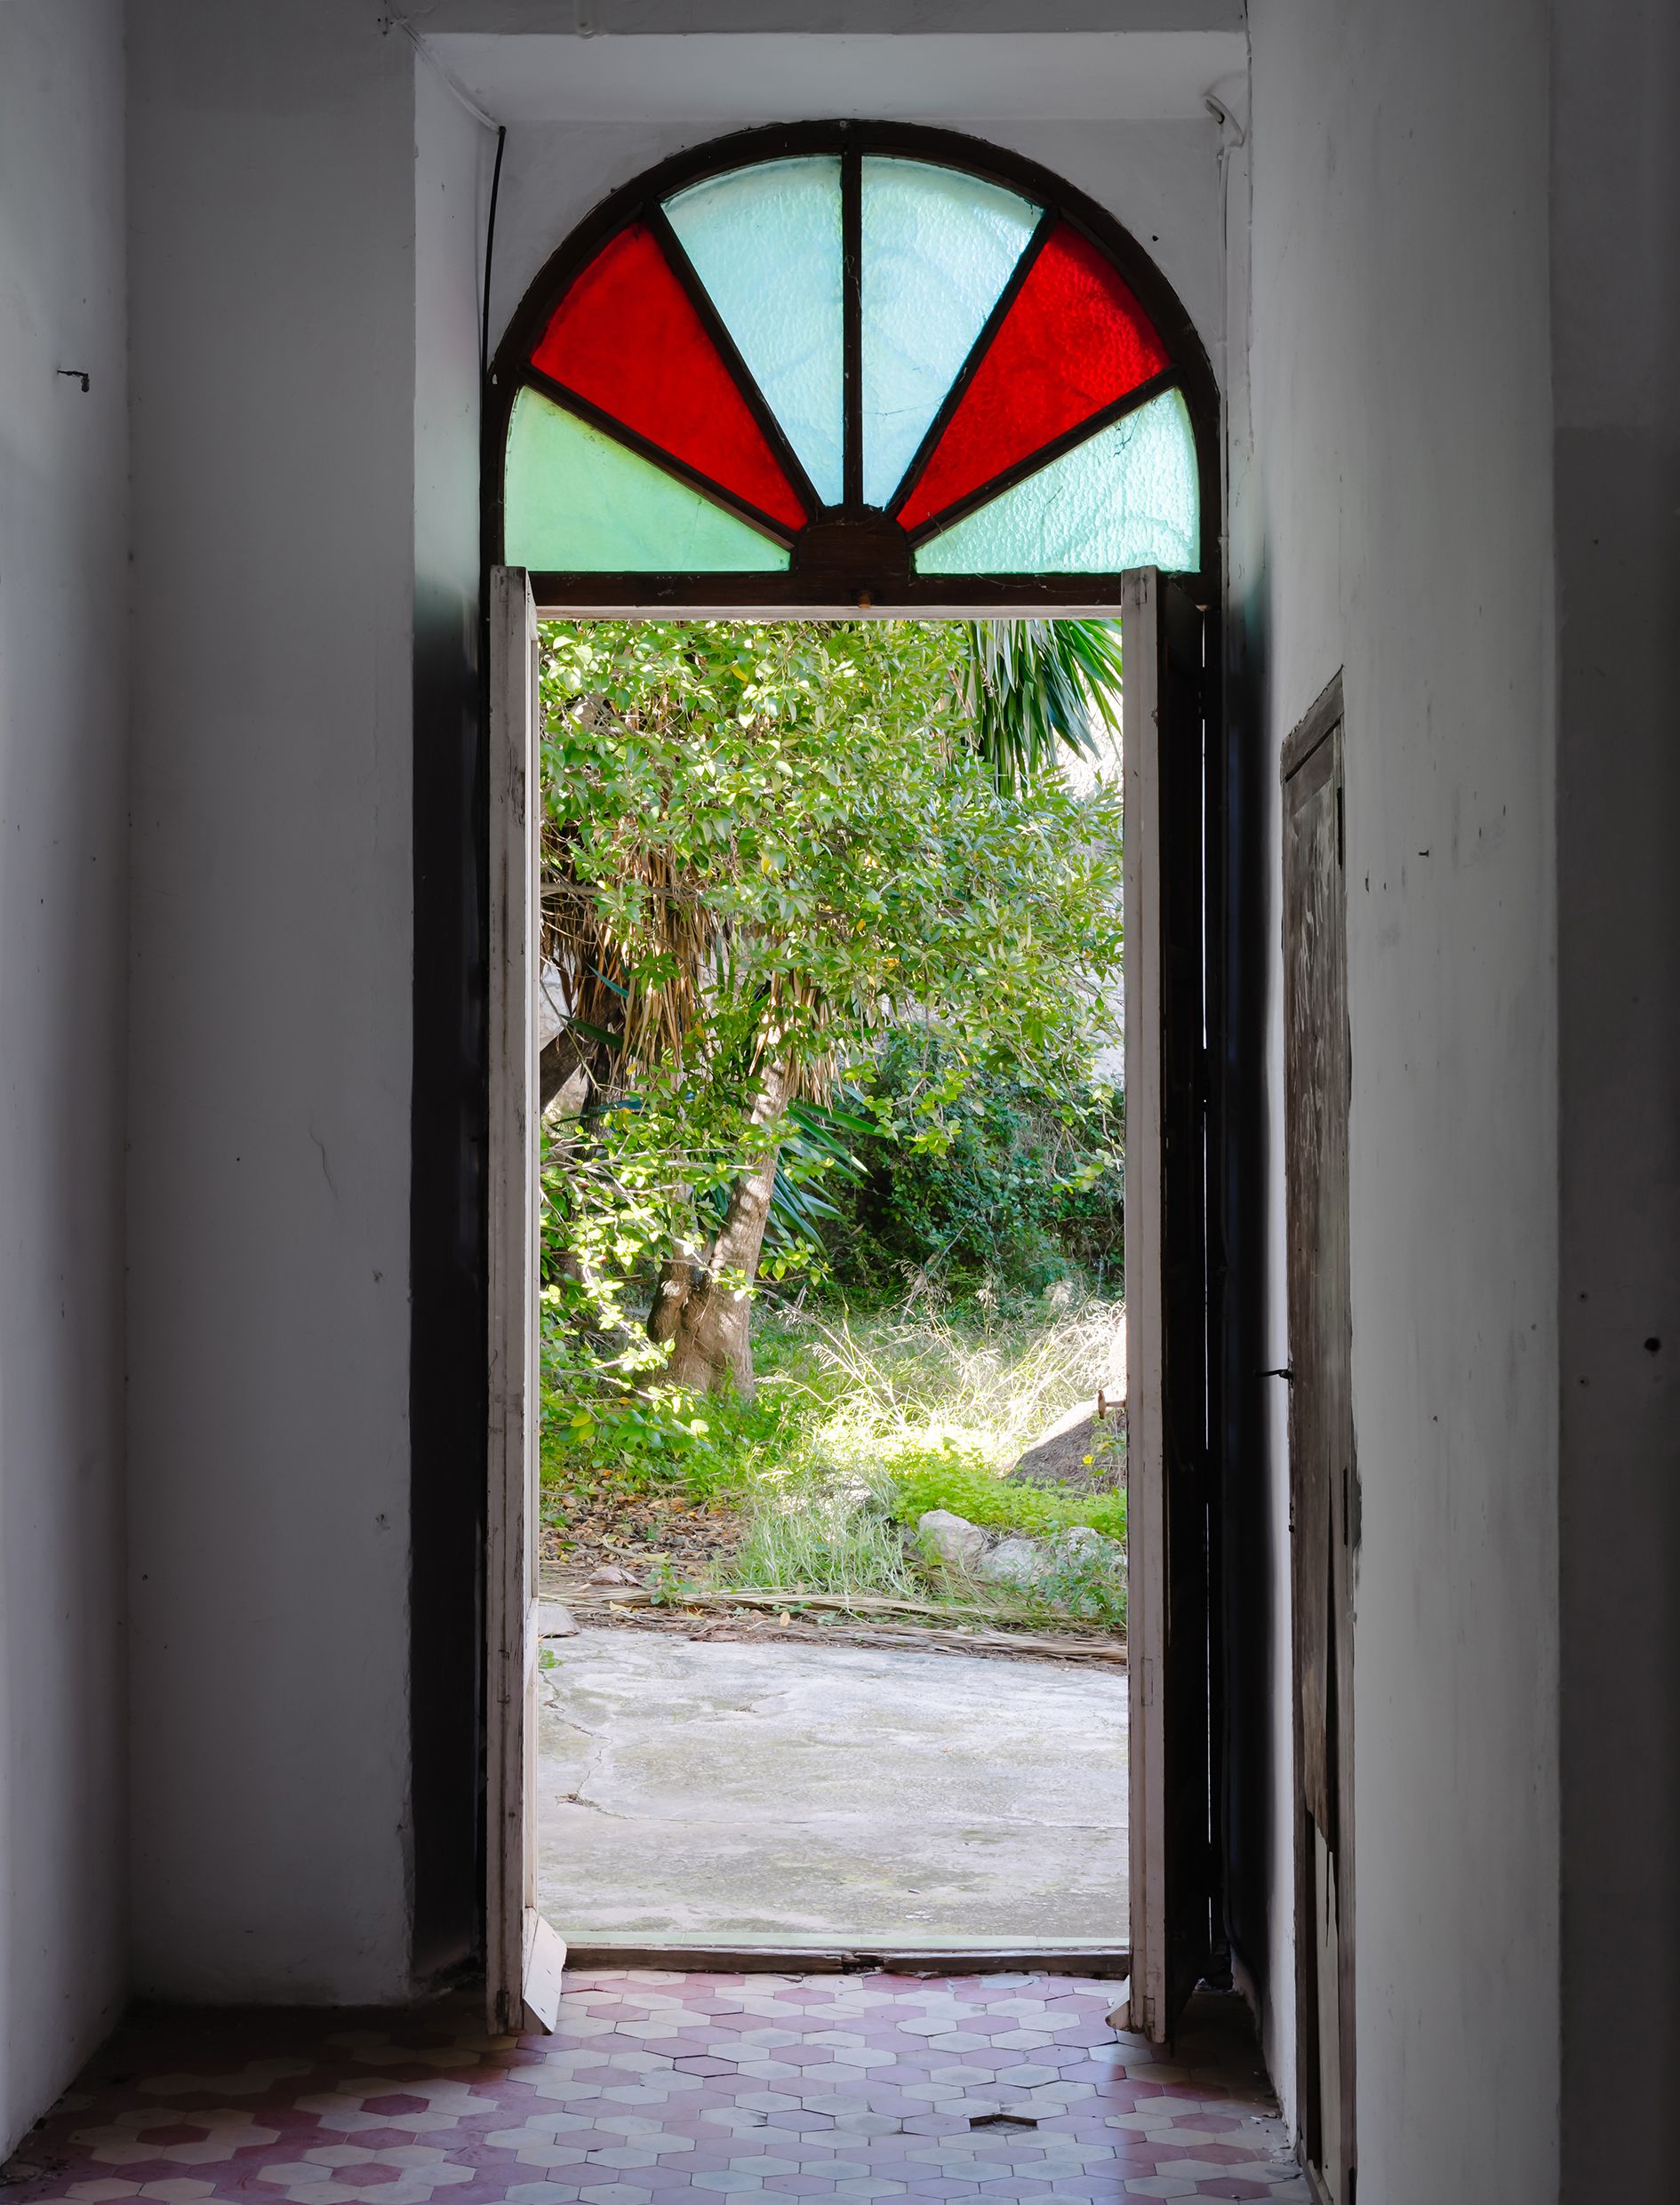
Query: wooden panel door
x=523 y=1955
x=1167 y=1457
x=1323 y=1480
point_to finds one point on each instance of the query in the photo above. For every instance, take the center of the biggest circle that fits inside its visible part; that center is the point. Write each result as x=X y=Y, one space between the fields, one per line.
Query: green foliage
x=1092 y=1586
x=1034 y=685
x=785 y=838
x=1007 y=1184
x=764 y=845
x=609 y=1437
x=858 y=1428
x=929 y=1478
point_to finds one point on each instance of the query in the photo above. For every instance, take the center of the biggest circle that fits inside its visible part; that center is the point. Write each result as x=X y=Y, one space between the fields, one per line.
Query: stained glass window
x=869 y=373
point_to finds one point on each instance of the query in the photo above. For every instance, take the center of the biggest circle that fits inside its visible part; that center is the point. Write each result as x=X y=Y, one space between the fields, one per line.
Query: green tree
x=763 y=843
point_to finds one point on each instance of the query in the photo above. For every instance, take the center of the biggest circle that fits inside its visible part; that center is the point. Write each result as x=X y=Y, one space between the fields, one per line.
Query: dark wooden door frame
x=449 y=1267
x=1171 y=751
x=1321 y=1419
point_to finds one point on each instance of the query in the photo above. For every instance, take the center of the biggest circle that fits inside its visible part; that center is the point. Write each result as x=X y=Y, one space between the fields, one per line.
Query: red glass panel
x=1074 y=341
x=628 y=338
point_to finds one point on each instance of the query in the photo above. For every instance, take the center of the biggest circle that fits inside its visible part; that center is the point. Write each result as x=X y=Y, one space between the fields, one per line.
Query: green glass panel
x=1126 y=497
x=577 y=502
x=938 y=249
x=765 y=242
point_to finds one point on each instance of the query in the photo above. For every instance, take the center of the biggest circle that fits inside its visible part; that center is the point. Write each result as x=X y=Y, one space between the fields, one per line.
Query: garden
x=833 y=1161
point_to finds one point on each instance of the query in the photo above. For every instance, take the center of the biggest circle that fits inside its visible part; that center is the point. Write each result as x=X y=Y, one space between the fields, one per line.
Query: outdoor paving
x=715 y=1791
x=658 y=2086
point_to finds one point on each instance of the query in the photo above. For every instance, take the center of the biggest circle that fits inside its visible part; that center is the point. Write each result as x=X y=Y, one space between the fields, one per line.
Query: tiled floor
x=664 y=2087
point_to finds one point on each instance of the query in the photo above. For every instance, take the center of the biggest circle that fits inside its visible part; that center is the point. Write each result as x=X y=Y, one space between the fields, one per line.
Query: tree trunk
x=706 y=1311
x=563 y=1054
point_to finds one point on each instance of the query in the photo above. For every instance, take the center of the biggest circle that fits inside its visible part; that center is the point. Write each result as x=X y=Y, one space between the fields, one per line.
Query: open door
x=1168 y=1470
x=1324 y=1484
x=523 y=1955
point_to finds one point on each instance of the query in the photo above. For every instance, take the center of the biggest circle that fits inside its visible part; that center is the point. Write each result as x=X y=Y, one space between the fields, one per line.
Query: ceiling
x=745 y=76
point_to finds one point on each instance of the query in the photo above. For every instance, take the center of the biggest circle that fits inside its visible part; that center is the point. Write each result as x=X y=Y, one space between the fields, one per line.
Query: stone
x=1084 y=1448
x=609 y=1573
x=1016 y=1562
x=958 y=1542
x=558 y=1622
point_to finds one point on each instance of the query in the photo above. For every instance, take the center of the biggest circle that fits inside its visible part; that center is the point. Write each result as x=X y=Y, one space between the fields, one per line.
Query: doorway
x=834 y=1638
x=775 y=495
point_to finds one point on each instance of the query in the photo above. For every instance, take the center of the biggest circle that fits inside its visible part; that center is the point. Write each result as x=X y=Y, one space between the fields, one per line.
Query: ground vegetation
x=831 y=1196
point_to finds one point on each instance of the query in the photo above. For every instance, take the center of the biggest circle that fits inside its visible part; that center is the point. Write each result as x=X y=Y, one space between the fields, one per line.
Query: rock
x=558 y=1622
x=958 y=1542
x=1090 y=1428
x=609 y=1573
x=1021 y=1561
x=1029 y=1563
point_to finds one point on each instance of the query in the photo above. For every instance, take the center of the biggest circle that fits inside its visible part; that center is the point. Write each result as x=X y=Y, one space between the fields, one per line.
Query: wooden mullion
x=811 y=593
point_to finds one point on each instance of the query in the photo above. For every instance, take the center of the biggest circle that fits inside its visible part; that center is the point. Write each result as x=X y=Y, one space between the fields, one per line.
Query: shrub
x=1001 y=1182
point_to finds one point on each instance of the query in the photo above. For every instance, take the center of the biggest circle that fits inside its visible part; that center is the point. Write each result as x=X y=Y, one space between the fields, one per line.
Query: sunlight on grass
x=869 y=1400
x=920 y=1382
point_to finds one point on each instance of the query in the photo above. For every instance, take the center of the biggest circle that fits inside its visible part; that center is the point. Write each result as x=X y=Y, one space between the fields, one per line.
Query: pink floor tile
x=667 y=2090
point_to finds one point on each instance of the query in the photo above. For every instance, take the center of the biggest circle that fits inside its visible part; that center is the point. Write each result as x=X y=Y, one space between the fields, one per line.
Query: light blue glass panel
x=575 y=502
x=765 y=242
x=1126 y=497
x=937 y=248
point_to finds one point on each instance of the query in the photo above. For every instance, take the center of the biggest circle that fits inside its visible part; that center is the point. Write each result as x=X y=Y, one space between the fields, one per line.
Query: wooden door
x=523 y=1957
x=1323 y=1480
x=1167 y=1455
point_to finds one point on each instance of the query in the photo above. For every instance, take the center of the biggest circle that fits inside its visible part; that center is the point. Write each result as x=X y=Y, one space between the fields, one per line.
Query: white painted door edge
x=1146 y=1467
x=523 y=1955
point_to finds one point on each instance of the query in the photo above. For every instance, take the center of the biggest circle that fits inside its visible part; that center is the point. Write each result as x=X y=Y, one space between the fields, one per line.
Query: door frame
x=523 y=1955
x=509 y=1892
x=1174 y=822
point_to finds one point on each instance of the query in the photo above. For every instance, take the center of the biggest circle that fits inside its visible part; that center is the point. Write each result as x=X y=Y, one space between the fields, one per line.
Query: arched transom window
x=836 y=368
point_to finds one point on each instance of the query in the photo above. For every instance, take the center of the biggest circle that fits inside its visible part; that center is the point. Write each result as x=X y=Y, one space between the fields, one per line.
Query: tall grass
x=870 y=1392
x=914 y=1380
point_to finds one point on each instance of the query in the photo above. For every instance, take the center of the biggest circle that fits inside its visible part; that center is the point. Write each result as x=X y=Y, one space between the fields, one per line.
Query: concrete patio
x=711 y=1792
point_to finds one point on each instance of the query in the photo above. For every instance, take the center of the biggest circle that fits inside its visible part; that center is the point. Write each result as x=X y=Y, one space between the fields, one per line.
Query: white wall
x=63 y=737
x=1616 y=288
x=1396 y=521
x=272 y=243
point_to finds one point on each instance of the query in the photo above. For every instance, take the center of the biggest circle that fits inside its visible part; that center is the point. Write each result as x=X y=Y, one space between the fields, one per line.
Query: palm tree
x=1035 y=686
x=1032 y=689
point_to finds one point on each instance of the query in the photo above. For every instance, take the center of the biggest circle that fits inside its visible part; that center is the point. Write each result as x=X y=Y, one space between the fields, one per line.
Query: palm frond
x=1034 y=687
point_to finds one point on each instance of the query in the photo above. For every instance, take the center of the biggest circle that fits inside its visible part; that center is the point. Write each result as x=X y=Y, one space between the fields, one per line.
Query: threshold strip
x=1096 y=1962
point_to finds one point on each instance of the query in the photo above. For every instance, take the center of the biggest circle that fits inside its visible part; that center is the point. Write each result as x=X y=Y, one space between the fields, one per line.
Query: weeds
x=807 y=1535
x=861 y=1423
